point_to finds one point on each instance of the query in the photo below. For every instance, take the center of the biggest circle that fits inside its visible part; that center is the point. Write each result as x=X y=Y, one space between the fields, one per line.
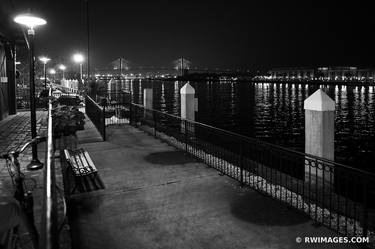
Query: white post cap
x=319 y=101
x=187 y=89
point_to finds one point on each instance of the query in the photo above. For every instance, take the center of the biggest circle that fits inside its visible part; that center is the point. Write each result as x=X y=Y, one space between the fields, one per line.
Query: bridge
x=121 y=67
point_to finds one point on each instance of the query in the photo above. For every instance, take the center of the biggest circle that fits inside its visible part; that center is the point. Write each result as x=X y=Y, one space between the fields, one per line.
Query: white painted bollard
x=147 y=98
x=319 y=135
x=188 y=107
x=147 y=102
x=187 y=102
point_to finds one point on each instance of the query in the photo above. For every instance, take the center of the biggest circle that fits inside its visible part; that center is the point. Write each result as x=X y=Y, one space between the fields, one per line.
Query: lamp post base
x=35 y=164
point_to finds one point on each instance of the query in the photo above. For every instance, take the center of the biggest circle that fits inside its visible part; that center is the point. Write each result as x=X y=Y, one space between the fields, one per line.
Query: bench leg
x=78 y=185
x=98 y=182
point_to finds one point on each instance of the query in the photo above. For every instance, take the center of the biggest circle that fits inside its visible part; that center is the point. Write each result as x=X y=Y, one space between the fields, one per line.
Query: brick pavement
x=14 y=132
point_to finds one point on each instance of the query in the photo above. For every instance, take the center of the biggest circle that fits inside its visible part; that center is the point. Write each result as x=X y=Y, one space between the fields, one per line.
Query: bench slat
x=84 y=170
x=81 y=156
x=81 y=168
x=81 y=162
x=90 y=162
x=73 y=163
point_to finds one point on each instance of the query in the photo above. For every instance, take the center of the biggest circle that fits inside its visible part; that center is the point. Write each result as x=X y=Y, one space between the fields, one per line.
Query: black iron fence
x=116 y=106
x=335 y=195
x=111 y=97
x=97 y=115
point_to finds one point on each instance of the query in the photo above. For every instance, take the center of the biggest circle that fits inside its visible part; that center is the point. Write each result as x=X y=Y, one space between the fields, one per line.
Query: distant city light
x=29 y=20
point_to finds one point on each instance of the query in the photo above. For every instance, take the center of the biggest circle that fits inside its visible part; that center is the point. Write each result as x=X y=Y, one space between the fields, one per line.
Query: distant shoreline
x=310 y=82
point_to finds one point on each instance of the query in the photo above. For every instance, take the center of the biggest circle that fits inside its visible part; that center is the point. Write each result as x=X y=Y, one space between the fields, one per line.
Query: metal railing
x=337 y=196
x=49 y=234
x=97 y=115
x=111 y=97
x=116 y=106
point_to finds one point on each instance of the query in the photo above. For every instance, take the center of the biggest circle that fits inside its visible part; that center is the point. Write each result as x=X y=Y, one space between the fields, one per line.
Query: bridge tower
x=182 y=65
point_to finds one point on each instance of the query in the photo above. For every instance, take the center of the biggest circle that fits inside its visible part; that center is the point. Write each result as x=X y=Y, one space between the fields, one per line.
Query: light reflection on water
x=274 y=112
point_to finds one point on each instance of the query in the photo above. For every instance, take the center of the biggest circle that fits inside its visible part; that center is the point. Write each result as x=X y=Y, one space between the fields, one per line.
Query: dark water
x=274 y=112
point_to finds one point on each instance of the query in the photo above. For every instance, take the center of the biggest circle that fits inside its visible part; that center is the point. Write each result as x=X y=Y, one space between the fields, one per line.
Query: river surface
x=274 y=112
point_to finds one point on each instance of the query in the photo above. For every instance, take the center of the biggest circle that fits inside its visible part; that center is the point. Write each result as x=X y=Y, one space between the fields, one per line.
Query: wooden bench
x=85 y=173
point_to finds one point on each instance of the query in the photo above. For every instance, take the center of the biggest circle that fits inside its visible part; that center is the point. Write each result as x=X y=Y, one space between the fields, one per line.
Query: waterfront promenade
x=158 y=197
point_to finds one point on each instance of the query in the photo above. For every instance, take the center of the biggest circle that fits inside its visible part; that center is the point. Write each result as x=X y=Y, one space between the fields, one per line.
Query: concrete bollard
x=187 y=106
x=187 y=102
x=319 y=135
x=147 y=102
x=147 y=98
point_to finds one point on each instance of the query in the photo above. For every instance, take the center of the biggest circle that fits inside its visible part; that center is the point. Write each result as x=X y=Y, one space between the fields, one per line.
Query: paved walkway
x=157 y=197
x=15 y=129
x=15 y=132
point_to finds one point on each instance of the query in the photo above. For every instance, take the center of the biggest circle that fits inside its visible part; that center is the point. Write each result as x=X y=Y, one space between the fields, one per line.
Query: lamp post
x=62 y=68
x=78 y=58
x=52 y=72
x=45 y=60
x=31 y=22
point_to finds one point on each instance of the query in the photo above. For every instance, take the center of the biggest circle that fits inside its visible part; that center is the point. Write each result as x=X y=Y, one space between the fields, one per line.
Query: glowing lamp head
x=62 y=67
x=29 y=21
x=52 y=71
x=78 y=58
x=44 y=59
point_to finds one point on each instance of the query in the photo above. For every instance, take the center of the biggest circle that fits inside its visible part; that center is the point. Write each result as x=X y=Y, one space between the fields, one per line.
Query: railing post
x=103 y=128
x=130 y=113
x=136 y=110
x=186 y=135
x=241 y=163
x=154 y=116
x=365 y=210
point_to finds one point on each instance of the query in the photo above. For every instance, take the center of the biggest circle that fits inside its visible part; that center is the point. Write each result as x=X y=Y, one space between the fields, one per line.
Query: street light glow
x=62 y=67
x=29 y=20
x=52 y=71
x=78 y=58
x=44 y=59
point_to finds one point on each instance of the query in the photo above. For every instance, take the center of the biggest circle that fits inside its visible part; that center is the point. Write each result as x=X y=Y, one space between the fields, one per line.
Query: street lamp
x=62 y=68
x=45 y=60
x=52 y=72
x=78 y=58
x=31 y=22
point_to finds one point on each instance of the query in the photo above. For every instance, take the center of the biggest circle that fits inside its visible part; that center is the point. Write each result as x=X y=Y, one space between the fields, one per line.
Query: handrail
x=49 y=214
x=253 y=140
x=93 y=101
x=96 y=113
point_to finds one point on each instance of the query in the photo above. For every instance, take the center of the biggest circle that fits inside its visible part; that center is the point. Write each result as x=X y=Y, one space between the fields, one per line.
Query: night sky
x=256 y=35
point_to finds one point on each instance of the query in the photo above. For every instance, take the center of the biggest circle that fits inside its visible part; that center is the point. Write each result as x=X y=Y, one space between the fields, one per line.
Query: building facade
x=7 y=78
x=324 y=74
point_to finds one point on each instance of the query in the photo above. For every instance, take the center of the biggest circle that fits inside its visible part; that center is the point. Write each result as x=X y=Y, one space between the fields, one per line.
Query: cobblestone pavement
x=14 y=132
